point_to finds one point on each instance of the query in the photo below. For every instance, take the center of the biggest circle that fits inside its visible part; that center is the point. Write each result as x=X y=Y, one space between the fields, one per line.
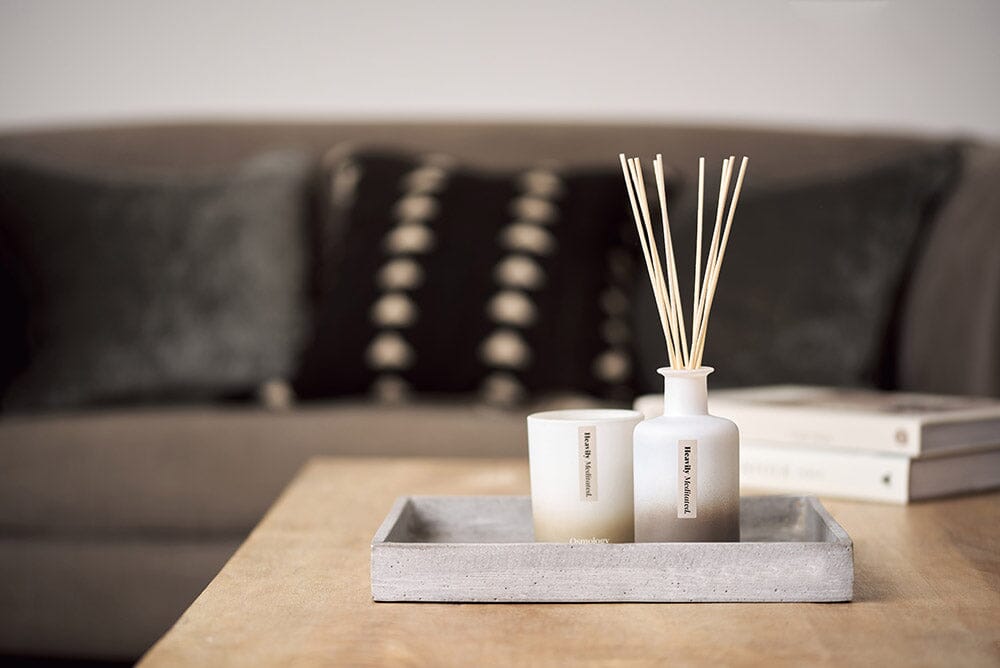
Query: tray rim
x=840 y=536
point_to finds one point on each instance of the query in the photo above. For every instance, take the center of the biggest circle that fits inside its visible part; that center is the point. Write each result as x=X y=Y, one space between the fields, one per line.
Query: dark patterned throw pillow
x=437 y=278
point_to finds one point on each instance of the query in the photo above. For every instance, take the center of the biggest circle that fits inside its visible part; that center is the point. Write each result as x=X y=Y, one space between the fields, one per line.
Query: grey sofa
x=112 y=521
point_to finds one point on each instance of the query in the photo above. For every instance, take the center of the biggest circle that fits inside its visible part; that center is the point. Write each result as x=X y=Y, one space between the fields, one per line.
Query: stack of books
x=859 y=444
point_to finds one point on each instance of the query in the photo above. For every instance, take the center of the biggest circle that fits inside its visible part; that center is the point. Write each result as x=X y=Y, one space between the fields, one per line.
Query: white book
x=915 y=425
x=868 y=476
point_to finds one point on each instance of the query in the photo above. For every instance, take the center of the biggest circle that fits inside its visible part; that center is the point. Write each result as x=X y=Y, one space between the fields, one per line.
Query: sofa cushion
x=951 y=313
x=442 y=279
x=152 y=285
x=812 y=275
x=215 y=469
x=103 y=598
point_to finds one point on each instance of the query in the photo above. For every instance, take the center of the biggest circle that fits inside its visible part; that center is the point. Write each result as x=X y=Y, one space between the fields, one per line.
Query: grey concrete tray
x=481 y=549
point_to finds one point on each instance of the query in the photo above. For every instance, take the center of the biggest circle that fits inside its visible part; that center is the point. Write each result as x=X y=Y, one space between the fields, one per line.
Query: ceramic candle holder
x=581 y=475
x=687 y=467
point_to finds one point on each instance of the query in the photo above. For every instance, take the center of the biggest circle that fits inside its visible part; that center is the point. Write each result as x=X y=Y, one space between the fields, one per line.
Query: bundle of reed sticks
x=683 y=354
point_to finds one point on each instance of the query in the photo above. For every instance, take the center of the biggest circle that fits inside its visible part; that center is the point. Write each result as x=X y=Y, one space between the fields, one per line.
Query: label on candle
x=687 y=479
x=588 y=463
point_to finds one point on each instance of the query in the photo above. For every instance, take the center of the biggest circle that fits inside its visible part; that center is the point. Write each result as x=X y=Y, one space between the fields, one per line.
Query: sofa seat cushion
x=208 y=470
x=100 y=598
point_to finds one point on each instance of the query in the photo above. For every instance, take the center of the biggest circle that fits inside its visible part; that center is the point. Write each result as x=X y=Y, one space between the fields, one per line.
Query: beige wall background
x=928 y=66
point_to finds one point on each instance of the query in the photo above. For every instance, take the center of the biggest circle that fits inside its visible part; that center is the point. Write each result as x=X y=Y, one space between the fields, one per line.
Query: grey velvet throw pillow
x=133 y=287
x=812 y=277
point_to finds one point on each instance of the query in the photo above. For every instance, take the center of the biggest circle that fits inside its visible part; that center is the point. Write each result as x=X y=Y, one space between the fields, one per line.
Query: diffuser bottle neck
x=685 y=392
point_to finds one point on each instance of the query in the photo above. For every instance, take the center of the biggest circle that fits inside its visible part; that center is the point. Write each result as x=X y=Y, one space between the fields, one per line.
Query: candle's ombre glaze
x=581 y=475
x=686 y=467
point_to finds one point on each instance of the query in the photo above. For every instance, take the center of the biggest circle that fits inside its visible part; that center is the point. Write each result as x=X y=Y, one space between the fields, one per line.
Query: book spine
x=834 y=473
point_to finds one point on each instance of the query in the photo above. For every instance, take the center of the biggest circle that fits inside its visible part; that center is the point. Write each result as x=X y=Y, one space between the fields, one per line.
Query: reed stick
x=713 y=249
x=672 y=342
x=675 y=291
x=700 y=345
x=664 y=282
x=654 y=283
x=697 y=248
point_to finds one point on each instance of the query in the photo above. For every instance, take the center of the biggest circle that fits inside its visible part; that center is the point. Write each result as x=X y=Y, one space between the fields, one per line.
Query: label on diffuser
x=687 y=479
x=587 y=438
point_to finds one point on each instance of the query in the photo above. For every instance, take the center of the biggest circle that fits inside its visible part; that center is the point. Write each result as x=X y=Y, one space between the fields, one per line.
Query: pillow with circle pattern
x=440 y=279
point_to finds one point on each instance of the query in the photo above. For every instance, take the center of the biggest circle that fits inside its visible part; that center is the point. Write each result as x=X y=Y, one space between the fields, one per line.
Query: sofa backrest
x=777 y=154
x=969 y=364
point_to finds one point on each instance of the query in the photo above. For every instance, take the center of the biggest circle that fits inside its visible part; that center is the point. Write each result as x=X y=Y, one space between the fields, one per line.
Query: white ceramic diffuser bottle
x=686 y=464
x=686 y=467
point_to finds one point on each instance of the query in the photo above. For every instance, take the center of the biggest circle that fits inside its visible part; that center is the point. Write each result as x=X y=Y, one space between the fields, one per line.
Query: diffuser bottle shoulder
x=726 y=424
x=704 y=424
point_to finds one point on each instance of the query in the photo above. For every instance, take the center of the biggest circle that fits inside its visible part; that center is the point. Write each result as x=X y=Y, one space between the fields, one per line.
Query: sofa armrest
x=950 y=325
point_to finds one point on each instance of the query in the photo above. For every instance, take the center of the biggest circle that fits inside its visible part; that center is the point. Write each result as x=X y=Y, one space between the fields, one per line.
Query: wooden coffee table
x=927 y=592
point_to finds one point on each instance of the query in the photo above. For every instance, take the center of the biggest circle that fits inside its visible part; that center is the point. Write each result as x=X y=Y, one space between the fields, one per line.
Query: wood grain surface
x=927 y=592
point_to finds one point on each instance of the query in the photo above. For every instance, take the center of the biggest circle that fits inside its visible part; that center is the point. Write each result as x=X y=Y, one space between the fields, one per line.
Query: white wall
x=932 y=66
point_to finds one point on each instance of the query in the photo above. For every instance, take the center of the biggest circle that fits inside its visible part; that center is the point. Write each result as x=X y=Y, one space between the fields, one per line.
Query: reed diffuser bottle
x=686 y=462
x=687 y=467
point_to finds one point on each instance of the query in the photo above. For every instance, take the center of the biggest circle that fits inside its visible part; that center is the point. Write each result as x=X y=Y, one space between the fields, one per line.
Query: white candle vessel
x=687 y=467
x=581 y=475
